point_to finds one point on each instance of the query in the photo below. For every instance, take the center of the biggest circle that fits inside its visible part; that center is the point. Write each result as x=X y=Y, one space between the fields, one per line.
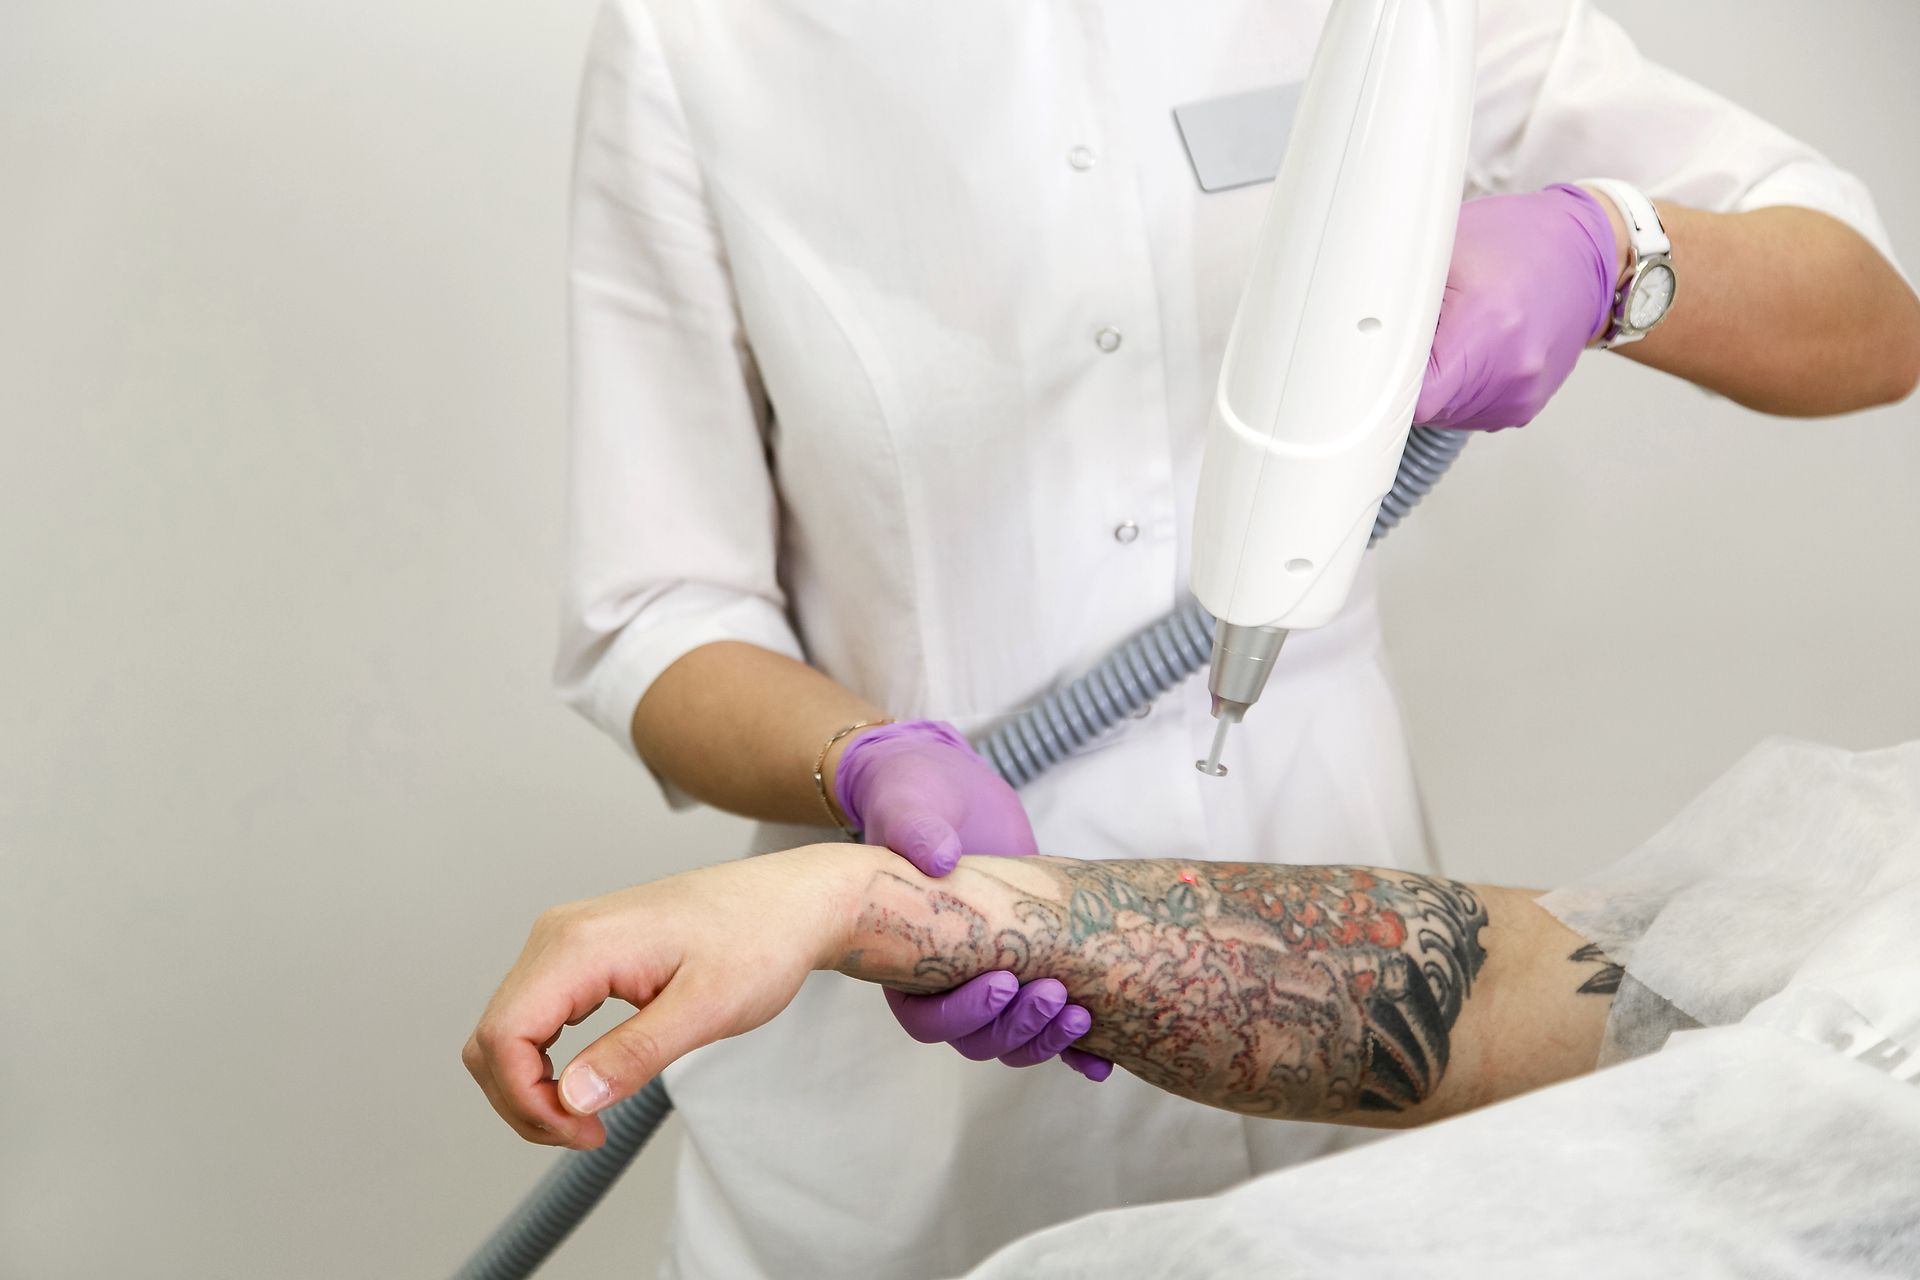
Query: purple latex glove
x=1531 y=284
x=993 y=1016
x=920 y=790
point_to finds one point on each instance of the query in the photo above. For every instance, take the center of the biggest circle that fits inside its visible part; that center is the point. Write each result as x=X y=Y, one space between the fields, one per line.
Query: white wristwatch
x=1646 y=294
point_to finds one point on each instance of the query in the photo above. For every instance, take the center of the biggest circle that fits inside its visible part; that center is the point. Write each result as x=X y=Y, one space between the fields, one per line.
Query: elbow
x=1875 y=365
x=1900 y=369
x=1904 y=369
x=1884 y=370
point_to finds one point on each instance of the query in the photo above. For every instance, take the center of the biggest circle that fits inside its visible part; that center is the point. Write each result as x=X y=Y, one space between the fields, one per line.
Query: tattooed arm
x=1331 y=993
x=1308 y=992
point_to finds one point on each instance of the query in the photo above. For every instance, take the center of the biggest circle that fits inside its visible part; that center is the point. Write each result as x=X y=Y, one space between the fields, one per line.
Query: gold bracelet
x=820 y=775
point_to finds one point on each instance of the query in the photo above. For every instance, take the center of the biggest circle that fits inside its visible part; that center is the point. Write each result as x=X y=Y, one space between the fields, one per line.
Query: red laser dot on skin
x=1187 y=876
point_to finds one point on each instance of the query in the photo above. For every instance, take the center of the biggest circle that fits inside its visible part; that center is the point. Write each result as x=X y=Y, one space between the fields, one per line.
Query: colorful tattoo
x=1295 y=991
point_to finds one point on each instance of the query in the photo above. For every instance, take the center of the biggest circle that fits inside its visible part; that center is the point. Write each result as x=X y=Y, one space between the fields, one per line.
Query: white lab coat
x=894 y=331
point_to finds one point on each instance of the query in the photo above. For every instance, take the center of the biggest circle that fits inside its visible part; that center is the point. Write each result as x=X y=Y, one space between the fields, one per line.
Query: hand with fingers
x=695 y=974
x=919 y=789
x=715 y=953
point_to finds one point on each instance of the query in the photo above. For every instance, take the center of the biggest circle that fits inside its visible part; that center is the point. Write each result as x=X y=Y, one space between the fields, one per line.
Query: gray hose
x=1429 y=452
x=569 y=1190
x=1129 y=678
x=1154 y=660
x=1147 y=665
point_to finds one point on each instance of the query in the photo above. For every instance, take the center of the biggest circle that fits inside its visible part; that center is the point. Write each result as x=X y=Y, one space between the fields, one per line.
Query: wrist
x=1642 y=286
x=1614 y=250
x=1622 y=245
x=846 y=875
x=856 y=757
x=827 y=769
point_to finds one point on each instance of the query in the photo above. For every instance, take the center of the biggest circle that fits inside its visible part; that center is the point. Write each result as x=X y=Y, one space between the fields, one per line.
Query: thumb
x=929 y=842
x=615 y=1066
x=948 y=1015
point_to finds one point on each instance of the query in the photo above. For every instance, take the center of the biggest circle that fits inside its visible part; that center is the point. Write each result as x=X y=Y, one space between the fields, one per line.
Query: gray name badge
x=1237 y=141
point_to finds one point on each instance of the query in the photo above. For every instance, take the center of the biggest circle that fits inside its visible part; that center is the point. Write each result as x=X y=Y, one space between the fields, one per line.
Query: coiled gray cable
x=1147 y=665
x=569 y=1190
x=1429 y=452
x=1154 y=660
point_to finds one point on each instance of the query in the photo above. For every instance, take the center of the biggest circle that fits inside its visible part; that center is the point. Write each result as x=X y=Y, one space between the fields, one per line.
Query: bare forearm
x=1330 y=993
x=1785 y=310
x=740 y=727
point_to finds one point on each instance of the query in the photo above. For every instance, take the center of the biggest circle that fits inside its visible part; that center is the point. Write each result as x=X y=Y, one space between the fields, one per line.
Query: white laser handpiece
x=1325 y=360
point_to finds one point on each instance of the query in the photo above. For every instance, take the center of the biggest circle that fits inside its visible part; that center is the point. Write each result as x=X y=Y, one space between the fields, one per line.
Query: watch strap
x=1649 y=248
x=1645 y=236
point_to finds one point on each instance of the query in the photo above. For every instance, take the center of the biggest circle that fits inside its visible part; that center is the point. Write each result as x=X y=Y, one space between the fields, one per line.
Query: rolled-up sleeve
x=1564 y=94
x=672 y=516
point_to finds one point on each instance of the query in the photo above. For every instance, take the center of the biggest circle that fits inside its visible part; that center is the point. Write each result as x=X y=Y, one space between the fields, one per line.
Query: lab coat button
x=1107 y=339
x=1081 y=158
x=1126 y=531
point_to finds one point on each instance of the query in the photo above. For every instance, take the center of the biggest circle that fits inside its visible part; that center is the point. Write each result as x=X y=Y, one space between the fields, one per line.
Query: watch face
x=1652 y=295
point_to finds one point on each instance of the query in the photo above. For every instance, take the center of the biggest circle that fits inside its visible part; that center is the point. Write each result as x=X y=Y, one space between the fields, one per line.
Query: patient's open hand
x=702 y=956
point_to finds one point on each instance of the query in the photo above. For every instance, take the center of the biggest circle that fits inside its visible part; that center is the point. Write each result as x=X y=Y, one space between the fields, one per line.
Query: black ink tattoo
x=1603 y=982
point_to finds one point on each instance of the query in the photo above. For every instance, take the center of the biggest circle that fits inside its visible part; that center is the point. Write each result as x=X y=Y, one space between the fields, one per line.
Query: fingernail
x=582 y=1089
x=1002 y=984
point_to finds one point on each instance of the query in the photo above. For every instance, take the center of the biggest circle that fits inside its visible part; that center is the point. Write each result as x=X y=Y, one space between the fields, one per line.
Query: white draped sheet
x=1761 y=1116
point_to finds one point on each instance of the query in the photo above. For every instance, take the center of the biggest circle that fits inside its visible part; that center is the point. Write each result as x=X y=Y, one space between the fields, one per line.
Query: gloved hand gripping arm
x=918 y=788
x=740 y=728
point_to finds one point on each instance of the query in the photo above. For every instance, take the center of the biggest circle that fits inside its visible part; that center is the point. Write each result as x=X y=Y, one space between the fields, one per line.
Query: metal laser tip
x=1211 y=766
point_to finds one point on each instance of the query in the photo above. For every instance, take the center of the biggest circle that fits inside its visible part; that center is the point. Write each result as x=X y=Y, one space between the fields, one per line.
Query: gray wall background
x=281 y=784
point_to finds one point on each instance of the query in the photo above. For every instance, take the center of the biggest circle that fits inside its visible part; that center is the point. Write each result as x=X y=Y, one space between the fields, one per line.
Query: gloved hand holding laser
x=1530 y=286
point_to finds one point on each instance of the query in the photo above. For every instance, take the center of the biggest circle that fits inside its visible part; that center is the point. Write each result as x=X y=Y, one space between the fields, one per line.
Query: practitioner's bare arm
x=1332 y=993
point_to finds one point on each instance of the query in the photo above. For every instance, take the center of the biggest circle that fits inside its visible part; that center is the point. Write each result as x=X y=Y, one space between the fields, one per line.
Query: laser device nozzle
x=1211 y=766
x=1242 y=661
